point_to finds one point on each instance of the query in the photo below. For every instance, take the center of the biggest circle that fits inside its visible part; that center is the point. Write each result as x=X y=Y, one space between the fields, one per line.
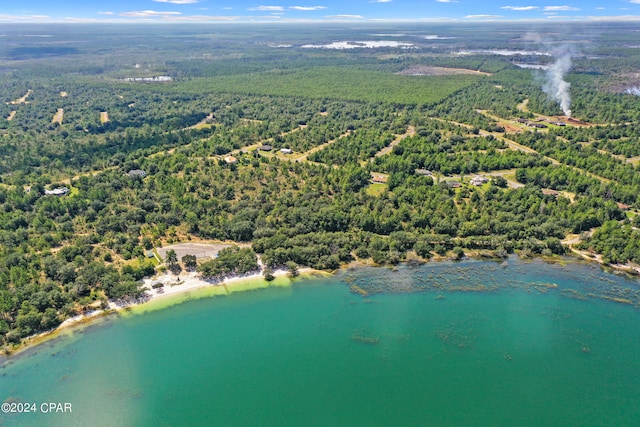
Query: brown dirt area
x=57 y=118
x=200 y=250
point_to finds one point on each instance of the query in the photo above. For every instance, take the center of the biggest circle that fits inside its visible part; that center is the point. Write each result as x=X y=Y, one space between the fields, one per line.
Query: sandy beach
x=175 y=289
x=191 y=281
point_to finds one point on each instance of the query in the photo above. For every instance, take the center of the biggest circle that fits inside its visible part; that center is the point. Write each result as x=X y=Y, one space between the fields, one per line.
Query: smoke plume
x=555 y=86
x=633 y=91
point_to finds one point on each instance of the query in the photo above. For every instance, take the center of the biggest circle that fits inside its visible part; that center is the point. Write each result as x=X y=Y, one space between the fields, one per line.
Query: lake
x=472 y=343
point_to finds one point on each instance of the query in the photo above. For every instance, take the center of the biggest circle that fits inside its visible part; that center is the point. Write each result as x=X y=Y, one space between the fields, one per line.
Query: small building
x=560 y=124
x=286 y=150
x=379 y=178
x=136 y=173
x=537 y=125
x=231 y=160
x=423 y=172
x=479 y=180
x=266 y=148
x=453 y=184
x=550 y=192
x=60 y=191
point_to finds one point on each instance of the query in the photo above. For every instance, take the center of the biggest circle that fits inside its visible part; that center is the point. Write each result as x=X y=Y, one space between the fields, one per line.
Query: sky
x=313 y=10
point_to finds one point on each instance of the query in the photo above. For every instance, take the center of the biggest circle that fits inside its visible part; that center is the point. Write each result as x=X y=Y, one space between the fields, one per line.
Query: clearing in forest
x=200 y=250
x=634 y=160
x=305 y=155
x=57 y=117
x=205 y=123
x=425 y=70
x=11 y=115
x=104 y=117
x=64 y=94
x=22 y=100
x=411 y=131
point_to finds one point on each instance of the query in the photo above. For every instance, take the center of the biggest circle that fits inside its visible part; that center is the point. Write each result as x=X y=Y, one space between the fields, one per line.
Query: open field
x=11 y=115
x=424 y=70
x=200 y=250
x=104 y=117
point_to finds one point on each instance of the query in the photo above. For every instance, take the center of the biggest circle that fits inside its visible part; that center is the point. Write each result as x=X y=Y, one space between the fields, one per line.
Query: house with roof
x=136 y=173
x=379 y=178
x=60 y=191
x=479 y=180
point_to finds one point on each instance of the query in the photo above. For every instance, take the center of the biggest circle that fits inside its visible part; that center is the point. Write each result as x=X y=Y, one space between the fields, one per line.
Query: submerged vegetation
x=307 y=157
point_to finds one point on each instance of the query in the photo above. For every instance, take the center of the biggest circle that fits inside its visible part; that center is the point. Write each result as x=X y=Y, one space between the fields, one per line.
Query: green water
x=315 y=354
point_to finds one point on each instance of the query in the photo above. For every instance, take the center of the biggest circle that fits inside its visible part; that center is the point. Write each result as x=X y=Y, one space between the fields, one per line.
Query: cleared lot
x=200 y=250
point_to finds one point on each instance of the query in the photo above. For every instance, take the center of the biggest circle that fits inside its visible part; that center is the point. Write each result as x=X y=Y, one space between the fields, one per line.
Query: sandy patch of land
x=22 y=100
x=634 y=160
x=425 y=70
x=64 y=94
x=11 y=115
x=200 y=250
x=104 y=117
x=58 y=116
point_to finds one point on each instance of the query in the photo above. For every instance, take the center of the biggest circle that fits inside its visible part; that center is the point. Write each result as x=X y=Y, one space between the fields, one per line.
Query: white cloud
x=520 y=8
x=447 y=1
x=75 y=20
x=268 y=8
x=344 y=17
x=177 y=1
x=23 y=17
x=307 y=8
x=634 y=1
x=209 y=18
x=106 y=13
x=484 y=17
x=560 y=8
x=149 y=14
x=380 y=1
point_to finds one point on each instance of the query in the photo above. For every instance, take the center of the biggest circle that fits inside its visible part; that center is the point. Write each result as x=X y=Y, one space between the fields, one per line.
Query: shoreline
x=176 y=290
x=181 y=288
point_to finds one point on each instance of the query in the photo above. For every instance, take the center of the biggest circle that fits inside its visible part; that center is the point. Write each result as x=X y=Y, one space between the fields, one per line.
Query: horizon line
x=242 y=20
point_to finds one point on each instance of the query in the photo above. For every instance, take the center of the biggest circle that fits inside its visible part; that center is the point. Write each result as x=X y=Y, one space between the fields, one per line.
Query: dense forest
x=304 y=157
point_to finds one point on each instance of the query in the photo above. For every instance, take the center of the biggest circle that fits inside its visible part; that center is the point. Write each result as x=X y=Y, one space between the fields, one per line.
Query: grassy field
x=336 y=83
x=376 y=189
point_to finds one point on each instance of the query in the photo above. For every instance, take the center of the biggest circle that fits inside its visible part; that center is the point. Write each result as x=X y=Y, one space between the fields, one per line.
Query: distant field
x=337 y=83
x=57 y=118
